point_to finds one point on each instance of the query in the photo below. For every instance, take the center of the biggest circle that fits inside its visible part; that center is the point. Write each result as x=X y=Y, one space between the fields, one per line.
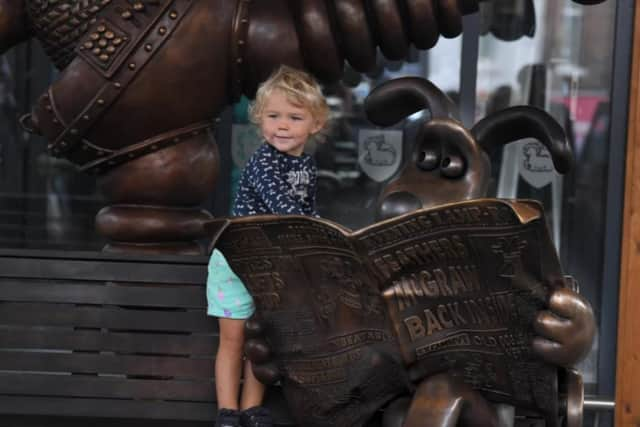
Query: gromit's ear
x=397 y=99
x=515 y=123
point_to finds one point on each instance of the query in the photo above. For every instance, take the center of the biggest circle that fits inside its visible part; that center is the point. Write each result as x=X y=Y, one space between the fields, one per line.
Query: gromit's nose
x=398 y=203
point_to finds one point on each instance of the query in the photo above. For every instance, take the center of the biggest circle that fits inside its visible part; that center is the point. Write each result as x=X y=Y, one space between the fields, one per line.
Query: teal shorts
x=226 y=295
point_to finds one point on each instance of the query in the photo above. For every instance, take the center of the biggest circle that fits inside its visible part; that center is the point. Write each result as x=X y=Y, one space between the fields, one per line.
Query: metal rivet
x=104 y=57
x=88 y=45
x=97 y=51
x=117 y=41
x=110 y=49
x=126 y=14
x=118 y=85
x=94 y=36
x=109 y=35
x=138 y=6
x=162 y=30
x=100 y=101
x=102 y=43
x=148 y=47
x=86 y=117
x=173 y=15
x=101 y=28
x=132 y=66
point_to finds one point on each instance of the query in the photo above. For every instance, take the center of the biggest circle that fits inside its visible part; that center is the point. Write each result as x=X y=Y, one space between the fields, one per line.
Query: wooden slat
x=111 y=408
x=90 y=386
x=105 y=270
x=159 y=295
x=105 y=317
x=125 y=409
x=70 y=339
x=628 y=352
x=69 y=421
x=153 y=366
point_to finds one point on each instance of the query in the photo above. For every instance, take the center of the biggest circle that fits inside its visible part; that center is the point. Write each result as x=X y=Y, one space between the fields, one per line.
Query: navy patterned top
x=274 y=182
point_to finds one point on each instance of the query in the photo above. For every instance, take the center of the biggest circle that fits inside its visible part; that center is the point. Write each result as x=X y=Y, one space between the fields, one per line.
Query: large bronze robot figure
x=142 y=80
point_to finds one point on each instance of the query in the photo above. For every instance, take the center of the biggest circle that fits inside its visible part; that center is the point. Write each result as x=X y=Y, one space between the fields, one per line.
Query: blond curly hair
x=300 y=88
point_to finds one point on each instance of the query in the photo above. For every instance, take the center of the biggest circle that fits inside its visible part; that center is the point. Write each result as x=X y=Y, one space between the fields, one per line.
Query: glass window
x=565 y=67
x=44 y=202
x=553 y=54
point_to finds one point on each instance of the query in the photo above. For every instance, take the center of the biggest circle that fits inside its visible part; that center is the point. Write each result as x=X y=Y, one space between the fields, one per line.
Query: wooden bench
x=107 y=340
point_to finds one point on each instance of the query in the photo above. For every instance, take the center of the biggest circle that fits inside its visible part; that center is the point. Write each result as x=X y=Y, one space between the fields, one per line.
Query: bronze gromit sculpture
x=450 y=164
x=142 y=80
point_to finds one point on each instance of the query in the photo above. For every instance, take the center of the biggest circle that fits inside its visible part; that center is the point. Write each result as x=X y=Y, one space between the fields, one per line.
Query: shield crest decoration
x=379 y=152
x=536 y=164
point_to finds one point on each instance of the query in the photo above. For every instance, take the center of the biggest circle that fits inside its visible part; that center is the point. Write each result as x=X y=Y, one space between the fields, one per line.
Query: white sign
x=379 y=152
x=536 y=165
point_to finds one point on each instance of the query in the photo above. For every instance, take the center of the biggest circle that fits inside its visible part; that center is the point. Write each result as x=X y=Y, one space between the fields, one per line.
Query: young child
x=278 y=179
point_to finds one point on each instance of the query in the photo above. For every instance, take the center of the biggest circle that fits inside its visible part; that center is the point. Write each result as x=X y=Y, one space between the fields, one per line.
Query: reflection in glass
x=44 y=202
x=564 y=67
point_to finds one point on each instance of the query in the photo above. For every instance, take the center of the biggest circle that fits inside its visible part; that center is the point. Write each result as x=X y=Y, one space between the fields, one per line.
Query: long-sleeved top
x=277 y=183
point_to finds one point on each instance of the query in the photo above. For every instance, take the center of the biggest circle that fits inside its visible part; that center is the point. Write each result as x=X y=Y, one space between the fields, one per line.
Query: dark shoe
x=228 y=418
x=258 y=416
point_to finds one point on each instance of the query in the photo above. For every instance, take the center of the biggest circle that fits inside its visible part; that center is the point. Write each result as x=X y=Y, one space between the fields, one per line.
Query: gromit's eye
x=453 y=166
x=428 y=160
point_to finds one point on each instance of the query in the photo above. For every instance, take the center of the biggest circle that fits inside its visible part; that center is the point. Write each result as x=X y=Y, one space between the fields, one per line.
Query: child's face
x=286 y=126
